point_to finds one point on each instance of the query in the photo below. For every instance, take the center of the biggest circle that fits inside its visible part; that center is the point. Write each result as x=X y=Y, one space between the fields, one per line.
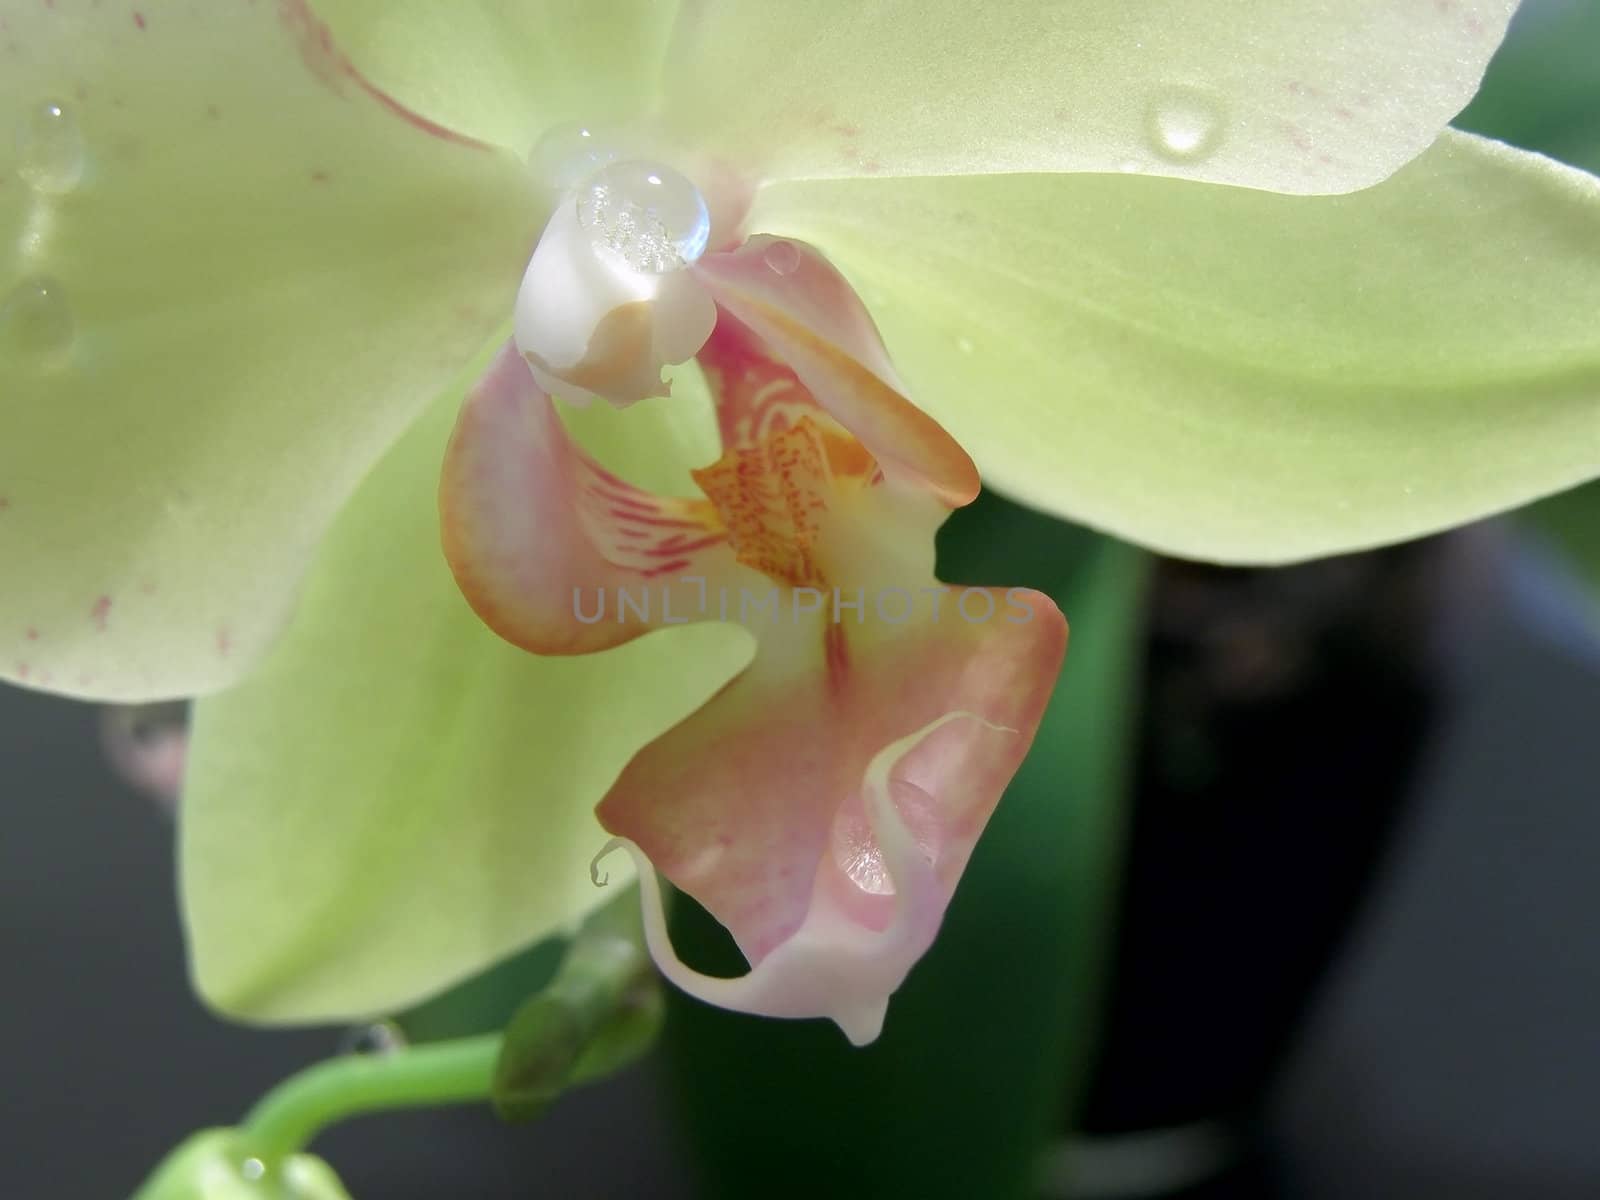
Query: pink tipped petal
x=790 y=296
x=544 y=541
x=824 y=804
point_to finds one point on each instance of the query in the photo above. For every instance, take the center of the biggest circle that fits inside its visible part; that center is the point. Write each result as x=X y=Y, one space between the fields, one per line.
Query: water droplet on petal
x=856 y=849
x=782 y=258
x=50 y=149
x=36 y=323
x=567 y=154
x=252 y=1169
x=1184 y=125
x=378 y=1038
x=646 y=214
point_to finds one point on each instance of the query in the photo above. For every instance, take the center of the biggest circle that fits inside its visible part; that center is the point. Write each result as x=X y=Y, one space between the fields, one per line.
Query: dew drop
x=148 y=745
x=50 y=149
x=378 y=1038
x=1184 y=125
x=856 y=850
x=252 y=1169
x=36 y=323
x=648 y=215
x=782 y=258
x=567 y=154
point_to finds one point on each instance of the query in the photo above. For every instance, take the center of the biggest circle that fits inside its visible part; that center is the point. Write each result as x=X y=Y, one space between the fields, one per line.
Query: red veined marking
x=836 y=654
x=690 y=548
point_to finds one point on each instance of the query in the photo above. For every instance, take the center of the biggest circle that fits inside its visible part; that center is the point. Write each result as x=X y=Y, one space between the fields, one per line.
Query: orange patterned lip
x=771 y=497
x=785 y=460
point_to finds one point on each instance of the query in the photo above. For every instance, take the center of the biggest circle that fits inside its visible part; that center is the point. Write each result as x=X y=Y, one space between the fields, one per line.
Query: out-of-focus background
x=1354 y=952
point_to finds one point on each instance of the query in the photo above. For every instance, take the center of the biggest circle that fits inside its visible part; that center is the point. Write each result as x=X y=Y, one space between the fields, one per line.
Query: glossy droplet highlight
x=1184 y=125
x=645 y=214
x=50 y=149
x=782 y=258
x=36 y=323
x=567 y=154
x=380 y=1037
x=856 y=850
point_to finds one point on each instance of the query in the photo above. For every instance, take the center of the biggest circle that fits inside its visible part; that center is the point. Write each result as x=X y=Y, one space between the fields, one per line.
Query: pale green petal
x=397 y=798
x=254 y=277
x=1306 y=96
x=1233 y=375
x=505 y=70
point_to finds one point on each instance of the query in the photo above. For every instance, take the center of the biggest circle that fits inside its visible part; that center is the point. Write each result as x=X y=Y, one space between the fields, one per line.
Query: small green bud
x=218 y=1164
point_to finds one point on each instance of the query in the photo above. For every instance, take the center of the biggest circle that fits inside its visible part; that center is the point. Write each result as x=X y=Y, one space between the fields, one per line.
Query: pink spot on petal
x=32 y=635
x=319 y=177
x=224 y=643
x=23 y=670
x=100 y=614
x=138 y=19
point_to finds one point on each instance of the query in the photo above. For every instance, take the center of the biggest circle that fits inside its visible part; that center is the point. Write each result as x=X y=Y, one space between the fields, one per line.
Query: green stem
x=285 y=1120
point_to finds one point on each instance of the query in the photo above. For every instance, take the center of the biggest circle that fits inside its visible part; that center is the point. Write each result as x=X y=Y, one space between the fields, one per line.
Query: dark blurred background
x=1356 y=955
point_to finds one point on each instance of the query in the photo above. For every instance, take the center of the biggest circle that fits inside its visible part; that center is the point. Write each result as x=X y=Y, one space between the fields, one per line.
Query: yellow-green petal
x=1310 y=96
x=507 y=70
x=397 y=798
x=1237 y=376
x=235 y=273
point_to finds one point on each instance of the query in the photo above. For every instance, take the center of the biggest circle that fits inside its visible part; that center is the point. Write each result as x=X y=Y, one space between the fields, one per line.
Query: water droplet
x=1184 y=124
x=36 y=323
x=565 y=155
x=379 y=1038
x=148 y=745
x=648 y=215
x=783 y=258
x=50 y=149
x=856 y=849
x=252 y=1169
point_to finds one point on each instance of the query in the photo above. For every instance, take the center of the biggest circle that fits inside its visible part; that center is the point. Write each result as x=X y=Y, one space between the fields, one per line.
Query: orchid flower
x=1115 y=252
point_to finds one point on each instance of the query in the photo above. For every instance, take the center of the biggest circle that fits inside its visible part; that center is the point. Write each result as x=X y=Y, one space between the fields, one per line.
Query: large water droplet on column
x=36 y=323
x=648 y=215
x=1184 y=124
x=50 y=149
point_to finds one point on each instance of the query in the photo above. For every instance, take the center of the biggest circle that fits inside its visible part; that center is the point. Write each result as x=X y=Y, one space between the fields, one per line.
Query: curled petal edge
x=831 y=966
